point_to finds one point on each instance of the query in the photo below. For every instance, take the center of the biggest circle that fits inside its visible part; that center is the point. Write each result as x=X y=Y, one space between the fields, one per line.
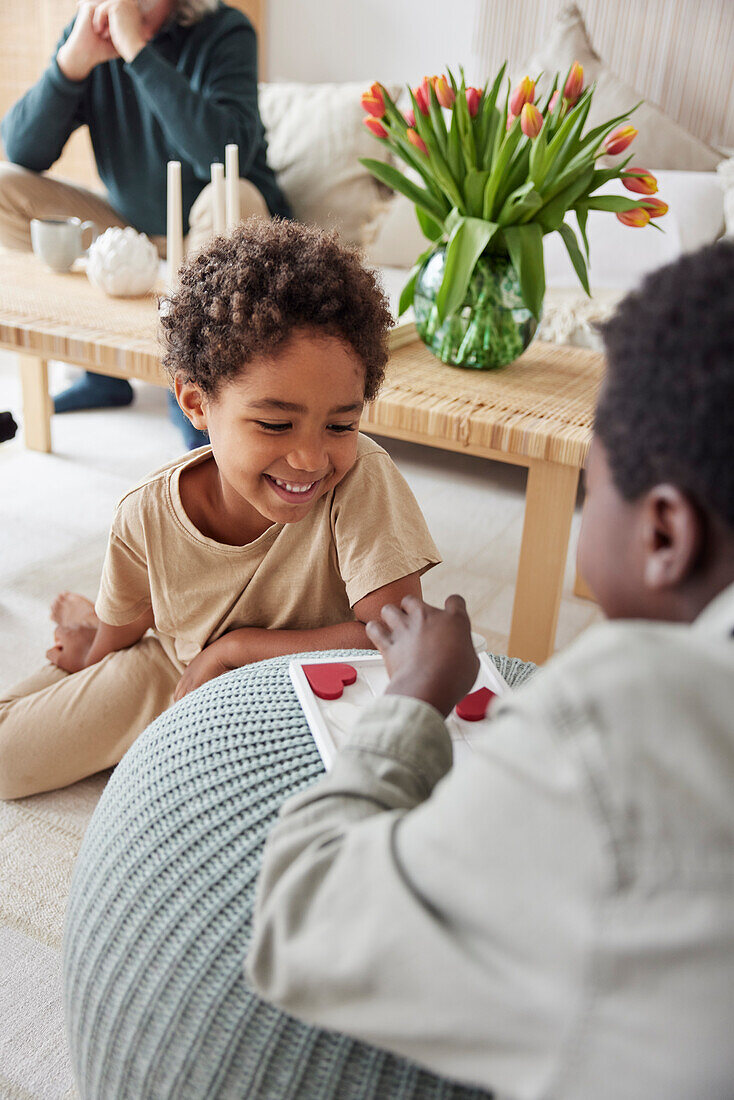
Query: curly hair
x=246 y=294
x=666 y=411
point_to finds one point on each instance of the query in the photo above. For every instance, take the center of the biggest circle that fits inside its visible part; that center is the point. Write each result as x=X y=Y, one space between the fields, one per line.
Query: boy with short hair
x=556 y=918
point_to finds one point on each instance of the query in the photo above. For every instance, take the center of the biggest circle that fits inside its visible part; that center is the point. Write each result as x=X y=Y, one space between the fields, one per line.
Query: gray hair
x=193 y=11
x=188 y=12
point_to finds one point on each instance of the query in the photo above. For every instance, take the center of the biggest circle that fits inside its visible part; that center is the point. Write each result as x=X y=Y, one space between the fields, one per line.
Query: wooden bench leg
x=581 y=588
x=550 y=499
x=37 y=404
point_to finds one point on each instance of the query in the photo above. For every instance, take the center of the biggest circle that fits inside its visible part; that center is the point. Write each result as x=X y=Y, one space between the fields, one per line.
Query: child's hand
x=428 y=653
x=205 y=666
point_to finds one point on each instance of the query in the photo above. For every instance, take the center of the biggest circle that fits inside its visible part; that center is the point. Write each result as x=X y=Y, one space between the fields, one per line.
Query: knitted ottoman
x=158 y=920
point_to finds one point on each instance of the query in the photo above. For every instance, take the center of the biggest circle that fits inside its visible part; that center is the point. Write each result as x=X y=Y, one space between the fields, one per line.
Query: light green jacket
x=553 y=919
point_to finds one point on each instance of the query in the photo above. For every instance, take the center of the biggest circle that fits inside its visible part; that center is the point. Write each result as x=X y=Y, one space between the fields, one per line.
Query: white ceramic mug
x=60 y=241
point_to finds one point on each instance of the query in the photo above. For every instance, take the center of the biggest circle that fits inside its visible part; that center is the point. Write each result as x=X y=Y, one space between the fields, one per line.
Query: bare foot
x=70 y=609
x=72 y=646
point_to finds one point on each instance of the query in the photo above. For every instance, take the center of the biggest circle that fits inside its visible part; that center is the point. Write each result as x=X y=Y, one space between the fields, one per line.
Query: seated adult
x=154 y=80
x=555 y=918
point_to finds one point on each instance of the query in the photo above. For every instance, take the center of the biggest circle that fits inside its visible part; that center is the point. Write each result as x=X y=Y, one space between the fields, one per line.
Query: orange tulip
x=373 y=101
x=640 y=180
x=531 y=120
x=637 y=217
x=523 y=93
x=656 y=208
x=444 y=92
x=375 y=126
x=415 y=139
x=473 y=95
x=575 y=83
x=423 y=95
x=618 y=141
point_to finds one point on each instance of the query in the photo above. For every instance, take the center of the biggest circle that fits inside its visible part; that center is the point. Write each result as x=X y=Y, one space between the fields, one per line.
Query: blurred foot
x=94 y=391
x=69 y=609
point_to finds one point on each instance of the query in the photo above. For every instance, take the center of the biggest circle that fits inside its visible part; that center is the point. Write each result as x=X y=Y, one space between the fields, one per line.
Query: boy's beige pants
x=25 y=195
x=57 y=727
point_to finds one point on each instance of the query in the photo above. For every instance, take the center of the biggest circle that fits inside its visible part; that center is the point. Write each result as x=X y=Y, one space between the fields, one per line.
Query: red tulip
x=656 y=208
x=531 y=120
x=524 y=93
x=637 y=217
x=640 y=180
x=473 y=95
x=422 y=96
x=375 y=126
x=415 y=139
x=409 y=117
x=373 y=101
x=618 y=141
x=444 y=92
x=575 y=83
x=553 y=101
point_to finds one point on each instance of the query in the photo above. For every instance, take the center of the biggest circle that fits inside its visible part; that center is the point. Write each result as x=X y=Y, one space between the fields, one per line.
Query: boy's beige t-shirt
x=366 y=532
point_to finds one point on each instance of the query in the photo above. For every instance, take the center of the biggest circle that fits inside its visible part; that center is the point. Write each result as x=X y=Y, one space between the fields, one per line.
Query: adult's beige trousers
x=57 y=727
x=25 y=195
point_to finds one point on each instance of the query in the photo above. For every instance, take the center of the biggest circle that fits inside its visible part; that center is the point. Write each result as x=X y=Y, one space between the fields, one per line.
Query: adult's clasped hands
x=102 y=31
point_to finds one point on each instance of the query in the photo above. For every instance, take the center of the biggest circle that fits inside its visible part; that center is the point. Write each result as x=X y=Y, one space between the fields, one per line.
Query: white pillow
x=660 y=141
x=315 y=137
x=621 y=256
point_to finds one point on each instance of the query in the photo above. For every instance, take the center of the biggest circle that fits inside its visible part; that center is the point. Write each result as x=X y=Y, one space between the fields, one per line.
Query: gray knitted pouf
x=158 y=921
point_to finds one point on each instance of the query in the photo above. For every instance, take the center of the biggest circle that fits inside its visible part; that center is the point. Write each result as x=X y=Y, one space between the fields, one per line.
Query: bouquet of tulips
x=497 y=174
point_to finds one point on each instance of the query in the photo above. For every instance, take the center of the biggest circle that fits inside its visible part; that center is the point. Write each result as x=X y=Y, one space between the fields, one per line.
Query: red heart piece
x=473 y=707
x=328 y=681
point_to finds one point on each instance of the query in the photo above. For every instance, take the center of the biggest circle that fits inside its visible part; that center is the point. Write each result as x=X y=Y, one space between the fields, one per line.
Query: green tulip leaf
x=469 y=238
x=574 y=253
x=525 y=245
x=430 y=227
x=582 y=216
x=474 y=185
x=395 y=179
x=406 y=294
x=614 y=204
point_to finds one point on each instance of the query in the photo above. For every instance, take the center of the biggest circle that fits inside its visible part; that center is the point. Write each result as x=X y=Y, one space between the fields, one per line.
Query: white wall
x=366 y=40
x=675 y=52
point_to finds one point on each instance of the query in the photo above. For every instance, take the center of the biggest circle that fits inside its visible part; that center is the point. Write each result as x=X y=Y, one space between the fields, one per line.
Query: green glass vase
x=492 y=327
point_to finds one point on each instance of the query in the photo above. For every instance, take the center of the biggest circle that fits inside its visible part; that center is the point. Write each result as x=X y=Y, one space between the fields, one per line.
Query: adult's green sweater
x=188 y=93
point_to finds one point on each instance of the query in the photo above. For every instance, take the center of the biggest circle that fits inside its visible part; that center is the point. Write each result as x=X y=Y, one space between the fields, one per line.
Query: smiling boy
x=287 y=534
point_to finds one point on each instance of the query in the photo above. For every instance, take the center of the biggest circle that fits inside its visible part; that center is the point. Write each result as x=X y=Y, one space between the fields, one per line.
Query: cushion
x=315 y=138
x=392 y=237
x=660 y=142
x=621 y=256
x=158 y=920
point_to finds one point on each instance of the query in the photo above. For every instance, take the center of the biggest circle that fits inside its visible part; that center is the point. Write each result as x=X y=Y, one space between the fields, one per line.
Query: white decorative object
x=123 y=263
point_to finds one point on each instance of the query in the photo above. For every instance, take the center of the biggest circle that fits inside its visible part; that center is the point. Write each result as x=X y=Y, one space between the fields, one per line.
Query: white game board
x=331 y=720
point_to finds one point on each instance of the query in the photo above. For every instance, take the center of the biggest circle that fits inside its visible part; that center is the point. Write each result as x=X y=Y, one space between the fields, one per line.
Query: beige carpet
x=54 y=516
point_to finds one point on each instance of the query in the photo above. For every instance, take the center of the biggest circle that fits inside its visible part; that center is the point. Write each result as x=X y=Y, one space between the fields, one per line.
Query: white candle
x=232 y=161
x=174 y=235
x=218 y=205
